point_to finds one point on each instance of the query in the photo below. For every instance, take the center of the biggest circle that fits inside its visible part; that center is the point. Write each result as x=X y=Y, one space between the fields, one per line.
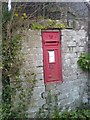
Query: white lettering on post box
x=51 y=56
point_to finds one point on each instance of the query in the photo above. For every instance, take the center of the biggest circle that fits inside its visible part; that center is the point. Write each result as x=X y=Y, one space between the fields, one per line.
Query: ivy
x=12 y=60
x=37 y=26
x=50 y=24
x=84 y=61
x=60 y=26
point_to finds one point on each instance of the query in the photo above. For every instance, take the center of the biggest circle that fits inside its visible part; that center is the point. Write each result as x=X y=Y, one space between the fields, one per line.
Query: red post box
x=52 y=56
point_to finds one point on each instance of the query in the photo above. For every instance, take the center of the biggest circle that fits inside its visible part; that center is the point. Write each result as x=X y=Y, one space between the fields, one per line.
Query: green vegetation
x=76 y=114
x=63 y=26
x=37 y=26
x=50 y=24
x=53 y=112
x=14 y=95
x=84 y=61
x=12 y=60
x=67 y=115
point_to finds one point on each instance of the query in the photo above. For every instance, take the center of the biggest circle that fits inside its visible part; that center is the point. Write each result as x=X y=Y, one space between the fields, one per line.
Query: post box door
x=52 y=57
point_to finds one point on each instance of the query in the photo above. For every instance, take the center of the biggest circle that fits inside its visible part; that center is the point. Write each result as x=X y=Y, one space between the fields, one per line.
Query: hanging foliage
x=84 y=61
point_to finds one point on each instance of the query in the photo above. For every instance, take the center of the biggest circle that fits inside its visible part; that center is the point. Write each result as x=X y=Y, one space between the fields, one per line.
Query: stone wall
x=33 y=64
x=74 y=86
x=73 y=90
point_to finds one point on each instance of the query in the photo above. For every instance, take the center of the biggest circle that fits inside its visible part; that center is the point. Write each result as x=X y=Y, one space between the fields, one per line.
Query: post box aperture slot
x=51 y=56
x=51 y=42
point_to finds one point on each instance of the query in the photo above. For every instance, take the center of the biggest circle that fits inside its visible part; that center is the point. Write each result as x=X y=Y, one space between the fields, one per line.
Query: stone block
x=65 y=102
x=63 y=96
x=38 y=91
x=40 y=102
x=39 y=56
x=39 y=77
x=85 y=98
x=70 y=78
x=39 y=50
x=82 y=76
x=82 y=33
x=38 y=63
x=71 y=43
x=40 y=83
x=39 y=70
x=69 y=56
x=68 y=86
x=32 y=110
x=69 y=98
